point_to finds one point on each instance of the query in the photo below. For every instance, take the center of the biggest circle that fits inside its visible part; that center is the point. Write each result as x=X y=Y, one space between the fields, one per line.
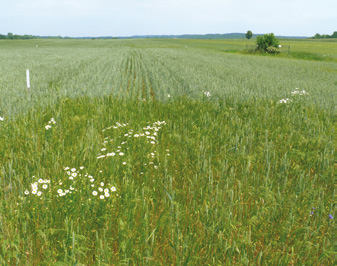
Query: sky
x=79 y=18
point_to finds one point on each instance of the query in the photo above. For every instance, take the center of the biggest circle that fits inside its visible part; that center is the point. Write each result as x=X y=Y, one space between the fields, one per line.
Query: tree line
x=325 y=36
x=11 y=36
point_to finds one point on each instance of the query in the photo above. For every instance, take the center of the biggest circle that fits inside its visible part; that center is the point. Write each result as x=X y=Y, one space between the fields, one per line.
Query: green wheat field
x=167 y=152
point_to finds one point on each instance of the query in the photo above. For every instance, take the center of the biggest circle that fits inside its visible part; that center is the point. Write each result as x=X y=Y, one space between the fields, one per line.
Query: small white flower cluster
x=298 y=92
x=287 y=100
x=207 y=94
x=118 y=125
x=150 y=133
x=1 y=118
x=73 y=174
x=63 y=187
x=42 y=183
x=293 y=93
x=103 y=192
x=48 y=126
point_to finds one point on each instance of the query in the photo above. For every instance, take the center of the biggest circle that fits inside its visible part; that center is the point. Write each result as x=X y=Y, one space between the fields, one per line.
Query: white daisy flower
x=26 y=192
x=45 y=186
x=39 y=193
x=94 y=193
x=113 y=189
x=101 y=196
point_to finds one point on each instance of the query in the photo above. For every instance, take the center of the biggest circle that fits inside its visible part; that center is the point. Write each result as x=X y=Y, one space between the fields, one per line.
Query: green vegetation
x=268 y=43
x=249 y=34
x=325 y=36
x=11 y=36
x=165 y=152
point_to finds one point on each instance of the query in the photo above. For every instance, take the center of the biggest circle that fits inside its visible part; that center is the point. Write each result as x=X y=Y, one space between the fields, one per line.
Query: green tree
x=317 y=36
x=334 y=35
x=267 y=41
x=249 y=34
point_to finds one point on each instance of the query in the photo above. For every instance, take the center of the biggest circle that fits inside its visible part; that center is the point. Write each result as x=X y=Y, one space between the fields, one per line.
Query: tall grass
x=232 y=177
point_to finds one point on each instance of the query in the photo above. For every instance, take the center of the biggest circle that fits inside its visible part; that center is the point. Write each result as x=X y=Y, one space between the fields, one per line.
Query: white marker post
x=28 y=80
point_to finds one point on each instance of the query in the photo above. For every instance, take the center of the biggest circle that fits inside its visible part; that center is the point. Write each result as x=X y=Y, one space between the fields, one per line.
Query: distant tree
x=267 y=43
x=249 y=34
x=10 y=35
x=317 y=36
x=334 y=35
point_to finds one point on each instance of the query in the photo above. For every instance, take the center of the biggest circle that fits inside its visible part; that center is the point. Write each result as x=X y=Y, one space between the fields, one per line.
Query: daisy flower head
x=94 y=193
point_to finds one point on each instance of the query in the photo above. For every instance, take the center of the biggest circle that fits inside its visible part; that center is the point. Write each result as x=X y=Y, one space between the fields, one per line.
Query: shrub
x=266 y=41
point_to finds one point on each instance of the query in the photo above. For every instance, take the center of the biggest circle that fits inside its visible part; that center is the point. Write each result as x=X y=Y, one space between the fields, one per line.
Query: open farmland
x=166 y=152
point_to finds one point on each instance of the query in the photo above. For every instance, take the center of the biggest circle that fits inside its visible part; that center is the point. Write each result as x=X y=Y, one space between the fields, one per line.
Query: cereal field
x=166 y=152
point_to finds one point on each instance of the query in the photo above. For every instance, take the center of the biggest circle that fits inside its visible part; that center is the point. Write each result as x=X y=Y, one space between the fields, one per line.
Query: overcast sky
x=146 y=17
